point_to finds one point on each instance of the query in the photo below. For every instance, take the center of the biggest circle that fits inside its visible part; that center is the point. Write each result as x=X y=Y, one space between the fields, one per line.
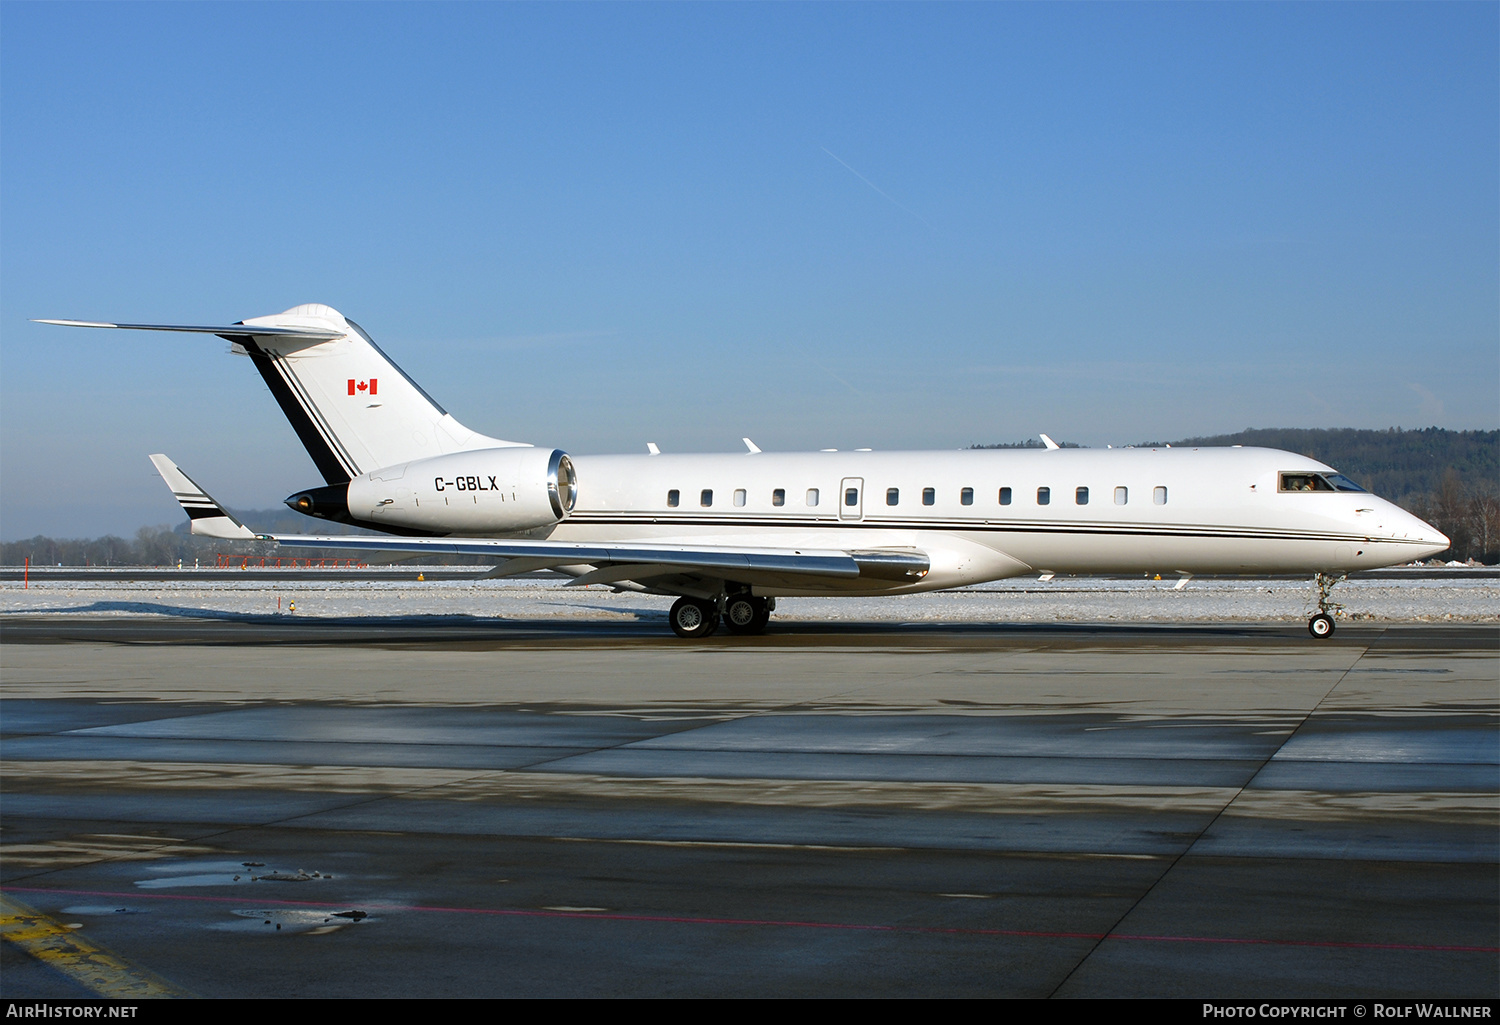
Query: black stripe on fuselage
x=964 y=526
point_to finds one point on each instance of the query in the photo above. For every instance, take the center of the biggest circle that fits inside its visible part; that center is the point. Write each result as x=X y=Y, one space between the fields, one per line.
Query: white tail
x=354 y=409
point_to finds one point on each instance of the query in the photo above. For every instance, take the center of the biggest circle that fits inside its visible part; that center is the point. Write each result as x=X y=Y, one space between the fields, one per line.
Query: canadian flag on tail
x=361 y=387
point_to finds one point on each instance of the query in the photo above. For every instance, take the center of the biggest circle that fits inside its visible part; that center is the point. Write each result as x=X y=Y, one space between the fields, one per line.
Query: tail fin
x=354 y=410
x=206 y=516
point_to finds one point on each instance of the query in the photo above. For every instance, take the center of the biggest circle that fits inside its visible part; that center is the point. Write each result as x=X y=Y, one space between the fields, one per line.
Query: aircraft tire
x=1320 y=626
x=692 y=618
x=744 y=614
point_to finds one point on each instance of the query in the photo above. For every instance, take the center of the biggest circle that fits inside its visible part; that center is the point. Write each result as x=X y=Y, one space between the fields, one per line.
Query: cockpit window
x=1317 y=482
x=1304 y=482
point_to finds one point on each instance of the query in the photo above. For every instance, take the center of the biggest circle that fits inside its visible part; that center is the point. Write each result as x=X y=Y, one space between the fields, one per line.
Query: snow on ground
x=1069 y=599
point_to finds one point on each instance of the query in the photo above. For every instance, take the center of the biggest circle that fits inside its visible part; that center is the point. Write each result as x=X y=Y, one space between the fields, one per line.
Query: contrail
x=877 y=188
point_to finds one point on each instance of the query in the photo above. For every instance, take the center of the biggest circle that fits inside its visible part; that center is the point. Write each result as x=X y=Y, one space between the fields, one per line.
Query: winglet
x=207 y=517
x=752 y=446
x=1049 y=443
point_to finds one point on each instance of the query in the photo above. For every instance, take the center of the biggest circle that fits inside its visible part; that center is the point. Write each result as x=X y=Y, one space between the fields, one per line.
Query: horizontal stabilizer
x=310 y=333
x=207 y=517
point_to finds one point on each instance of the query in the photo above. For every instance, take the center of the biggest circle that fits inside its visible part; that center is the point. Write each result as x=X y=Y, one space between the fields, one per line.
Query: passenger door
x=852 y=498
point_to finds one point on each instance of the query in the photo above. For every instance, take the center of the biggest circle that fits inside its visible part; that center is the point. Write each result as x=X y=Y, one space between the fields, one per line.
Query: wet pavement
x=499 y=810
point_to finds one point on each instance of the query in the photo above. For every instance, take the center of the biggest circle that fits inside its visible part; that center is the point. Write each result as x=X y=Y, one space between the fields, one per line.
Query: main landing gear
x=742 y=613
x=1321 y=624
x=746 y=614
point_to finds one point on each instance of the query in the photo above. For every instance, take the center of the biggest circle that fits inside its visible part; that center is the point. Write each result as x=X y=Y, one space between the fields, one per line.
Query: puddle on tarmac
x=225 y=873
x=292 y=921
x=103 y=909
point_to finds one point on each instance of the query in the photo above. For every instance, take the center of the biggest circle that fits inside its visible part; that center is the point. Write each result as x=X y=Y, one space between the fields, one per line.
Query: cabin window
x=892 y=496
x=706 y=499
x=1005 y=496
x=1159 y=496
x=1081 y=496
x=812 y=496
x=739 y=496
x=851 y=497
x=1122 y=495
x=929 y=496
x=673 y=497
x=778 y=497
x=1043 y=496
x=966 y=496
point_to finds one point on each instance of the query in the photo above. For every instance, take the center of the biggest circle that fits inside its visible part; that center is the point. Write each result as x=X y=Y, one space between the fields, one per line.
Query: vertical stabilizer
x=353 y=408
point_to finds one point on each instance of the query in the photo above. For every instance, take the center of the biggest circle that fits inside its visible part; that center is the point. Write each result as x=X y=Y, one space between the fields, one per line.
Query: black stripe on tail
x=323 y=455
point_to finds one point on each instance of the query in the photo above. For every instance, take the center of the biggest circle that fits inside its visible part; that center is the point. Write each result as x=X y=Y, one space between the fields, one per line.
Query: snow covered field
x=1065 y=599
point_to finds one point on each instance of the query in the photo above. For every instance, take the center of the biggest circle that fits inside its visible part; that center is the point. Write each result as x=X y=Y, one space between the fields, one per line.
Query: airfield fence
x=228 y=561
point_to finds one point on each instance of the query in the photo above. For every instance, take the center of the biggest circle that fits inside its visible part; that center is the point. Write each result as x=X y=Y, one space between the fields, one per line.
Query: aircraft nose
x=1429 y=537
x=1439 y=541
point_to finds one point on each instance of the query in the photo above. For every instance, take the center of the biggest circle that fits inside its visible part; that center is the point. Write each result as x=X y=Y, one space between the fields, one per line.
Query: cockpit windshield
x=1317 y=482
x=1342 y=483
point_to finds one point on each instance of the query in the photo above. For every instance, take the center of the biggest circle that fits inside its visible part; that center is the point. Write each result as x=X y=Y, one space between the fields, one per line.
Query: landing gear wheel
x=744 y=614
x=693 y=618
x=1321 y=625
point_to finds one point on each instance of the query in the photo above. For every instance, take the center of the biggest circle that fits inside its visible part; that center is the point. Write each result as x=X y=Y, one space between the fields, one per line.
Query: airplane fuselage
x=994 y=513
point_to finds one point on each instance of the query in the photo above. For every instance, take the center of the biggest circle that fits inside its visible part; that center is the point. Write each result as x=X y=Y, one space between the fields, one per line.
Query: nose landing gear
x=1321 y=624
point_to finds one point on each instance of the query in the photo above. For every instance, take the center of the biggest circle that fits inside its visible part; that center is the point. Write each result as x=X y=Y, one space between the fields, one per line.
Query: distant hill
x=1028 y=443
x=1395 y=464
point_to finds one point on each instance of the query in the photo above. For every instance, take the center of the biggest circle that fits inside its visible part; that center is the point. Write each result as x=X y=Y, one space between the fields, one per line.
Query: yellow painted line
x=64 y=949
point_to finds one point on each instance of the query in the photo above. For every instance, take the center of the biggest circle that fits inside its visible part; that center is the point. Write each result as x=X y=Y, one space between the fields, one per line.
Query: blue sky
x=829 y=225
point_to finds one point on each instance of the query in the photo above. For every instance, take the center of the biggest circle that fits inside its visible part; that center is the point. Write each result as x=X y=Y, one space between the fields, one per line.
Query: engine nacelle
x=487 y=491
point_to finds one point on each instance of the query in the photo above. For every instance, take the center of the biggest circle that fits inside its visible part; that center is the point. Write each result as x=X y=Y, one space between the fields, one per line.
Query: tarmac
x=383 y=806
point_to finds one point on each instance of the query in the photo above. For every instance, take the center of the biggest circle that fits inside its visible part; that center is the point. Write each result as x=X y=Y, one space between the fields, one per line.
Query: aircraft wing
x=643 y=561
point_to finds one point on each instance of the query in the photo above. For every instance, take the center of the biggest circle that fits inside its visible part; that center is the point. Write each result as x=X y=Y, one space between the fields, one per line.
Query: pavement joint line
x=68 y=952
x=782 y=923
x=1362 y=651
x=789 y=707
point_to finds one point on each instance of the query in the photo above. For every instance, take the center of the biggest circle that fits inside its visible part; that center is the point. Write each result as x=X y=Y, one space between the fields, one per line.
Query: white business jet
x=729 y=534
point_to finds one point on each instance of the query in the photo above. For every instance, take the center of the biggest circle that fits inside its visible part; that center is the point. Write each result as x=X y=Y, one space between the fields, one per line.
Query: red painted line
x=760 y=922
